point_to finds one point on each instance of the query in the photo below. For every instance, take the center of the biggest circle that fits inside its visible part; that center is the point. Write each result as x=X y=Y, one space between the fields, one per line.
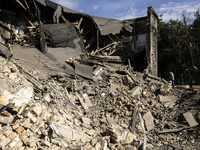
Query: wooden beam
x=64 y=19
x=98 y=50
x=21 y=4
x=79 y=23
x=57 y=18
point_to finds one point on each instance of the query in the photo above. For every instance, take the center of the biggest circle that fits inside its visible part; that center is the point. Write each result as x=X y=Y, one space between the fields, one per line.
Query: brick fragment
x=19 y=130
x=15 y=126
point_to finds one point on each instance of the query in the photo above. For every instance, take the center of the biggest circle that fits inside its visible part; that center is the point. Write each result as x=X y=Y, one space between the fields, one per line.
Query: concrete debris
x=73 y=81
x=149 y=121
x=79 y=113
x=168 y=101
x=190 y=119
x=136 y=91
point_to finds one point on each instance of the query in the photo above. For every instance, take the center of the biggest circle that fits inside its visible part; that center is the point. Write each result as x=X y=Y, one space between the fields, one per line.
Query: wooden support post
x=64 y=19
x=97 y=39
x=57 y=18
x=21 y=4
x=79 y=23
x=98 y=50
x=134 y=119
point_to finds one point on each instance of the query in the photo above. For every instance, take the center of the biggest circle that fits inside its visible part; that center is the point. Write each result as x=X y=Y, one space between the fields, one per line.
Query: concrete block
x=148 y=118
x=136 y=91
x=190 y=119
x=37 y=110
x=25 y=140
x=69 y=133
x=14 y=142
x=31 y=117
x=6 y=118
x=4 y=142
x=86 y=120
x=7 y=132
x=3 y=100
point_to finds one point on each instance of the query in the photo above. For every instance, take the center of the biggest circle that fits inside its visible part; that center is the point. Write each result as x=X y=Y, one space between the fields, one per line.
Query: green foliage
x=179 y=47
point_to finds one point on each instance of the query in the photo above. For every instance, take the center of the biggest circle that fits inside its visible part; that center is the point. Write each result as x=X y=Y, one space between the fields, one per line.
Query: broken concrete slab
x=114 y=88
x=4 y=51
x=86 y=120
x=149 y=121
x=127 y=80
x=168 y=101
x=5 y=84
x=3 y=100
x=85 y=101
x=69 y=133
x=136 y=91
x=170 y=98
x=190 y=119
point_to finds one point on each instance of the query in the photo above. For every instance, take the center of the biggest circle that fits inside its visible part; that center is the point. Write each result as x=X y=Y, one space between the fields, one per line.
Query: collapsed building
x=61 y=33
x=69 y=81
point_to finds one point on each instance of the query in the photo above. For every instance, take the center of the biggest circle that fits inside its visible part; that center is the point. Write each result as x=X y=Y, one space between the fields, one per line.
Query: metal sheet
x=84 y=70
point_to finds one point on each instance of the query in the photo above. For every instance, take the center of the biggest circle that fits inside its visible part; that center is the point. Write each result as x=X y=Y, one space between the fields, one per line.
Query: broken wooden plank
x=150 y=77
x=109 y=45
x=107 y=58
x=134 y=119
x=57 y=18
x=28 y=9
x=79 y=24
x=64 y=19
x=173 y=130
x=21 y=4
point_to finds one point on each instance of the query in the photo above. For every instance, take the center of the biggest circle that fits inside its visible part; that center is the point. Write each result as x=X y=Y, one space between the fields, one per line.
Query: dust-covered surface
x=118 y=109
x=69 y=81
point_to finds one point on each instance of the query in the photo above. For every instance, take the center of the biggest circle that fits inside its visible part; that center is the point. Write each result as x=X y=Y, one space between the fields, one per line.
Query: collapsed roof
x=49 y=26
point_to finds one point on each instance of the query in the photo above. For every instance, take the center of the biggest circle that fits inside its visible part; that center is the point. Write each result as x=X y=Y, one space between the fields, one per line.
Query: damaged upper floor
x=46 y=24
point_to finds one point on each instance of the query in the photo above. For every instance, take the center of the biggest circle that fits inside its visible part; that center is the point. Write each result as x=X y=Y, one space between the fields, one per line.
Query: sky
x=127 y=9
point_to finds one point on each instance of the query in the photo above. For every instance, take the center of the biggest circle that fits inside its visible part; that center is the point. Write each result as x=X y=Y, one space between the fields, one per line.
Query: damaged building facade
x=70 y=81
x=49 y=26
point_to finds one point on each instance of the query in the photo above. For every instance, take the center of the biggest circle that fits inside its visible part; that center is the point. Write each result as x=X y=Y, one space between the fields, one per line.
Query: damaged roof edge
x=41 y=2
x=105 y=25
x=108 y=26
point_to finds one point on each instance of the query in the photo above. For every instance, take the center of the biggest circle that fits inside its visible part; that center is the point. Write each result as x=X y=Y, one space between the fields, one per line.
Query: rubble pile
x=73 y=81
x=118 y=109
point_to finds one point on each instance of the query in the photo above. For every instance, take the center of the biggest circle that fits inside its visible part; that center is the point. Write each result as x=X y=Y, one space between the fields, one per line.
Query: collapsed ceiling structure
x=120 y=108
x=61 y=33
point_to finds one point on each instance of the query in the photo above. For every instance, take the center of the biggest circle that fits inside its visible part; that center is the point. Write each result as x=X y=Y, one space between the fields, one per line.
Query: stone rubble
x=101 y=114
